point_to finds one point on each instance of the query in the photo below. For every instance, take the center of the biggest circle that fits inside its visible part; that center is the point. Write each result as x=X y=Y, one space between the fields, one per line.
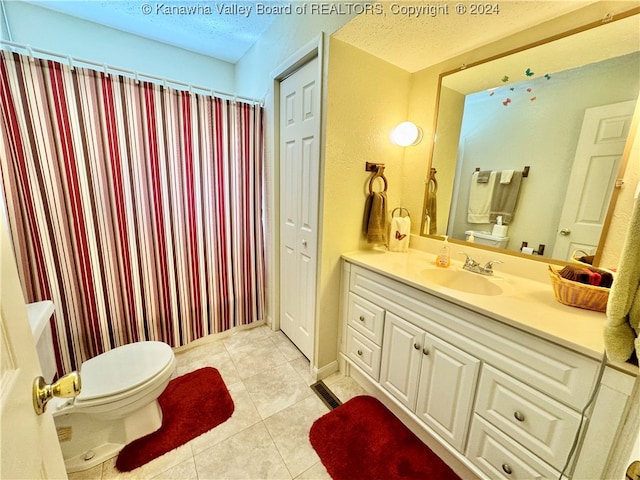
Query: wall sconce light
x=406 y=134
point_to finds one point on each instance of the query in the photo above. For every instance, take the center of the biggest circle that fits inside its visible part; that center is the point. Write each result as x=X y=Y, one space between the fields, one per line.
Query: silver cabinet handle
x=362 y=318
x=360 y=352
x=507 y=469
x=416 y=346
x=564 y=232
x=425 y=350
x=304 y=243
x=518 y=416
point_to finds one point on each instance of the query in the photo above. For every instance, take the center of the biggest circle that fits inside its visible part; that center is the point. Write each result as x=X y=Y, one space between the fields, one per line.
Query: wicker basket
x=578 y=294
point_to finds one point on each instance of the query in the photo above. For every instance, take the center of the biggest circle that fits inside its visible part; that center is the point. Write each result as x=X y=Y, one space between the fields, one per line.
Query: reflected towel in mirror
x=480 y=195
x=483 y=177
x=506 y=176
x=505 y=197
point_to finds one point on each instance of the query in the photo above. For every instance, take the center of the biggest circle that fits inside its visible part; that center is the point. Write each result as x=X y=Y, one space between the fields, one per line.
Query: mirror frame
x=623 y=161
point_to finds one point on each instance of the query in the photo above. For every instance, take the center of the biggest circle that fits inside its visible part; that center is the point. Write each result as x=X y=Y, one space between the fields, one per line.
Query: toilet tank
x=39 y=314
x=486 y=238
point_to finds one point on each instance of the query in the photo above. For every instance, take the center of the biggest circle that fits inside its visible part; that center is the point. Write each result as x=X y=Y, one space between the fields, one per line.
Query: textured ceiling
x=417 y=42
x=224 y=30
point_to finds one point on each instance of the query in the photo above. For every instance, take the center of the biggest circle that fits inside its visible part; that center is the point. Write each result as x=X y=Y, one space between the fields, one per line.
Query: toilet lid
x=122 y=369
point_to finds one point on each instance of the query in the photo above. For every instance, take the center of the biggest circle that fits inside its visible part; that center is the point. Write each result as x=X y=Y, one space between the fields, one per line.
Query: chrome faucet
x=472 y=266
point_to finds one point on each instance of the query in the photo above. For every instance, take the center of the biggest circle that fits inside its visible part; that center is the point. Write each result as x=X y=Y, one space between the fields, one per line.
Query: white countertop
x=524 y=303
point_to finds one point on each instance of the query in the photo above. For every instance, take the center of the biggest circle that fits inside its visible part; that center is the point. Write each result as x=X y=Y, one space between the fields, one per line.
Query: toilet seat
x=123 y=373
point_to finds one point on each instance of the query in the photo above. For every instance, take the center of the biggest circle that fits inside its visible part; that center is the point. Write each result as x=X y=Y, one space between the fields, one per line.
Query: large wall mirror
x=560 y=113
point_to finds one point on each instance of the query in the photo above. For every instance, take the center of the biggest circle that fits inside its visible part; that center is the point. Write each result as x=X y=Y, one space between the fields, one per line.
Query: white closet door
x=299 y=178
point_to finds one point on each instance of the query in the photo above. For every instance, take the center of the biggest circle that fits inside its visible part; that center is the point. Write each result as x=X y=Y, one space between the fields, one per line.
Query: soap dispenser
x=444 y=257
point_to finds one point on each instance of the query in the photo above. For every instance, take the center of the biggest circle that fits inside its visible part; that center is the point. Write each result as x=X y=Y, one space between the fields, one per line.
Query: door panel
x=593 y=174
x=299 y=180
x=401 y=352
x=29 y=443
x=447 y=380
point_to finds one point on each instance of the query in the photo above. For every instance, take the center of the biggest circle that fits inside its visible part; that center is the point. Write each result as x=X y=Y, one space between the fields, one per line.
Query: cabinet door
x=401 y=356
x=447 y=384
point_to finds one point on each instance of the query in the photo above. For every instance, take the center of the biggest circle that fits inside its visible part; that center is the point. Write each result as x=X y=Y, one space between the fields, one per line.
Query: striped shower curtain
x=136 y=208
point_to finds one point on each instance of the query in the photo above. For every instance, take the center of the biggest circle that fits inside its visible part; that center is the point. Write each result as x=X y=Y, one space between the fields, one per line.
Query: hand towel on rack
x=506 y=176
x=399 y=233
x=505 y=196
x=375 y=217
x=480 y=195
x=483 y=177
x=622 y=330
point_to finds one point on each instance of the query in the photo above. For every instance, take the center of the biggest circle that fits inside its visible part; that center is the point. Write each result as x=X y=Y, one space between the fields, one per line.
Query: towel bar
x=525 y=171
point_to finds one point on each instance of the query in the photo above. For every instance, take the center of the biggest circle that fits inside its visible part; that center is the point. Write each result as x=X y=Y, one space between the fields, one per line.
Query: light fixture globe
x=406 y=134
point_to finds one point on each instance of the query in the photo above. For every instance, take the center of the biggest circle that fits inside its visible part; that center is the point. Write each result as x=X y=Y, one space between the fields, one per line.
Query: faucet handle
x=469 y=261
x=489 y=265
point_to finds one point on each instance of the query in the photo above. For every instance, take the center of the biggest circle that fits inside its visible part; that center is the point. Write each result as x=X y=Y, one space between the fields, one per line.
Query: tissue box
x=500 y=230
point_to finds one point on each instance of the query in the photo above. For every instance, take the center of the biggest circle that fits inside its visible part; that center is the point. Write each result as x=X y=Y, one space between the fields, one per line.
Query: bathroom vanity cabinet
x=505 y=402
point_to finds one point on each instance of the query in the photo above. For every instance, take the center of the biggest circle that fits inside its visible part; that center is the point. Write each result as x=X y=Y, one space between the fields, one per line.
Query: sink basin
x=463 y=281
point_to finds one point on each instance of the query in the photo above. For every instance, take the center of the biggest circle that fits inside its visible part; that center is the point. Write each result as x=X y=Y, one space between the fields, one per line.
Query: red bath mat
x=361 y=439
x=192 y=404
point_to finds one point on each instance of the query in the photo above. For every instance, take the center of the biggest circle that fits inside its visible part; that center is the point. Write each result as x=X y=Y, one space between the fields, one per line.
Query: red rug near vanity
x=192 y=404
x=361 y=439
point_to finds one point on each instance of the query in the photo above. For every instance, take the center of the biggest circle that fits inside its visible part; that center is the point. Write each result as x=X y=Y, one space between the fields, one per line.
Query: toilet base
x=87 y=441
x=100 y=454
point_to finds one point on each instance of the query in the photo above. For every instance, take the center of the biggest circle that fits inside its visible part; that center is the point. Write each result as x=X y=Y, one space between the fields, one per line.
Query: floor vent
x=326 y=395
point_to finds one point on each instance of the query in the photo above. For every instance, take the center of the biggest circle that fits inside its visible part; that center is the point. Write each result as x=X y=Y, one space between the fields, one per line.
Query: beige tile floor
x=267 y=436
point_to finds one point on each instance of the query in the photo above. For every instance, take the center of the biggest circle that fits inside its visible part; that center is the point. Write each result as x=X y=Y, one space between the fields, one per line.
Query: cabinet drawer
x=500 y=457
x=543 y=425
x=364 y=353
x=366 y=318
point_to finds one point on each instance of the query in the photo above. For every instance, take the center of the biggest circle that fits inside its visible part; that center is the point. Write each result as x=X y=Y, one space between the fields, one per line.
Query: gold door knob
x=67 y=387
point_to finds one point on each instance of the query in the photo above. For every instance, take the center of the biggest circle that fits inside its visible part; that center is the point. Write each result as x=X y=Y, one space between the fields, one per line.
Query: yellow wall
x=367 y=97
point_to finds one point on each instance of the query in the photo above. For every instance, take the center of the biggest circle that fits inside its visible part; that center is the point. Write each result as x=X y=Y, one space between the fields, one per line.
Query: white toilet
x=116 y=405
x=118 y=400
x=486 y=238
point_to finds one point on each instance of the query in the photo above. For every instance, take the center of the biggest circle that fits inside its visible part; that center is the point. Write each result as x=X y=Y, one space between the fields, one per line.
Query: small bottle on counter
x=444 y=257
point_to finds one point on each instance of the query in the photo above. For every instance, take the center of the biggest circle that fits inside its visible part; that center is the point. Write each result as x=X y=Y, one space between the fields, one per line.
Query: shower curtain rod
x=132 y=74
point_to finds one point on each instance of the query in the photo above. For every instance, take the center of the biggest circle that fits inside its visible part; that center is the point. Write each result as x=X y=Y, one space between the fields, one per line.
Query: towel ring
x=393 y=212
x=379 y=174
x=432 y=182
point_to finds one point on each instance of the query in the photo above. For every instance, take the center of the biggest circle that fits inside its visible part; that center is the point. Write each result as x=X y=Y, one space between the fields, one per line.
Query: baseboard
x=213 y=337
x=324 y=372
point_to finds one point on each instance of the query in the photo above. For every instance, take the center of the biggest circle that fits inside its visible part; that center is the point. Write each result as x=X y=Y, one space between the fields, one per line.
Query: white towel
x=399 y=233
x=505 y=176
x=480 y=196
